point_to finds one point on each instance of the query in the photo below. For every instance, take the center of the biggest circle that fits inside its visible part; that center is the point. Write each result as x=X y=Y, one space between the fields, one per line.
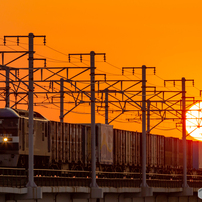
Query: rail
x=17 y=177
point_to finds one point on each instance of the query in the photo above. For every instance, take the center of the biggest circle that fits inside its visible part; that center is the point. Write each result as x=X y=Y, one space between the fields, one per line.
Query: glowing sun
x=194 y=121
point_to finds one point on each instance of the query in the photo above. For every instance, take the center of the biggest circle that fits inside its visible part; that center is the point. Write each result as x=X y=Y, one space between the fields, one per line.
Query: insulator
x=69 y=57
x=18 y=41
x=154 y=71
x=133 y=71
x=122 y=71
x=104 y=57
x=4 y=41
x=44 y=40
x=81 y=58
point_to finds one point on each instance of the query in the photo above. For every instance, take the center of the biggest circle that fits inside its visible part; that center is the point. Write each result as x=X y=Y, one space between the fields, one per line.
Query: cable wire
x=56 y=50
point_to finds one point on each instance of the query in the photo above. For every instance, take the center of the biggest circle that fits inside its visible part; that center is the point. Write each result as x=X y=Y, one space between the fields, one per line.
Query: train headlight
x=5 y=139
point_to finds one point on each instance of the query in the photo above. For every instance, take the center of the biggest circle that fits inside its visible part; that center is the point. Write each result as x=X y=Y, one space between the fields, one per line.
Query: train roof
x=16 y=113
x=8 y=112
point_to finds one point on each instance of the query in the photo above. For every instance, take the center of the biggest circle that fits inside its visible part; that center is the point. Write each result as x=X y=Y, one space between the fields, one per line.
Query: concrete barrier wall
x=109 y=197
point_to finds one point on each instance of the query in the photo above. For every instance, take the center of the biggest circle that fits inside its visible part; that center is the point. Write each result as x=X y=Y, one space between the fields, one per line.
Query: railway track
x=18 y=177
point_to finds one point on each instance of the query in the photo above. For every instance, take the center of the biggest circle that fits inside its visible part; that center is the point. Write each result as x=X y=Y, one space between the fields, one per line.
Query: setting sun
x=193 y=121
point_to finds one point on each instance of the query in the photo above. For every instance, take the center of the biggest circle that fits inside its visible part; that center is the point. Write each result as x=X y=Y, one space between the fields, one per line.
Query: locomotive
x=56 y=144
x=68 y=146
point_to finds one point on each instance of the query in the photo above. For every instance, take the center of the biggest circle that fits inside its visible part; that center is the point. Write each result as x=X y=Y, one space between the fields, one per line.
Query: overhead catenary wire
x=78 y=59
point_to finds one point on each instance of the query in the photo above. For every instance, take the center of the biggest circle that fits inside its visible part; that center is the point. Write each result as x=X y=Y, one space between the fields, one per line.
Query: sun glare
x=193 y=121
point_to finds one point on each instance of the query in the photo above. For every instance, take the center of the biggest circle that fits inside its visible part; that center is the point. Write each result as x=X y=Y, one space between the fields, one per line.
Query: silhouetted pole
x=148 y=116
x=93 y=157
x=30 y=97
x=106 y=106
x=92 y=98
x=31 y=122
x=7 y=82
x=184 y=133
x=144 y=184
x=61 y=100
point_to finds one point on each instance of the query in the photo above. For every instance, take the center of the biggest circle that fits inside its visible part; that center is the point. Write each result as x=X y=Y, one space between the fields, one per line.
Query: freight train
x=68 y=146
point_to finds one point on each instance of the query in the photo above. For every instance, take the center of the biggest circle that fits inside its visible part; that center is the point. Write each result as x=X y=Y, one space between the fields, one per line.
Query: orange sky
x=164 y=34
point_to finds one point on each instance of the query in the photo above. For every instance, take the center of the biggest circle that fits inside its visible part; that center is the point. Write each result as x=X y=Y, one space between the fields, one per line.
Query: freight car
x=164 y=154
x=68 y=146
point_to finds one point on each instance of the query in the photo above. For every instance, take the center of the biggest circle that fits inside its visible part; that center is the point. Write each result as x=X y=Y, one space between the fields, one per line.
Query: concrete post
x=31 y=122
x=184 y=134
x=144 y=184
x=93 y=154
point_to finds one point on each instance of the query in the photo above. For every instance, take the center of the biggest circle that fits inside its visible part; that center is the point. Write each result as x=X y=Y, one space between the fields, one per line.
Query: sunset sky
x=162 y=34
